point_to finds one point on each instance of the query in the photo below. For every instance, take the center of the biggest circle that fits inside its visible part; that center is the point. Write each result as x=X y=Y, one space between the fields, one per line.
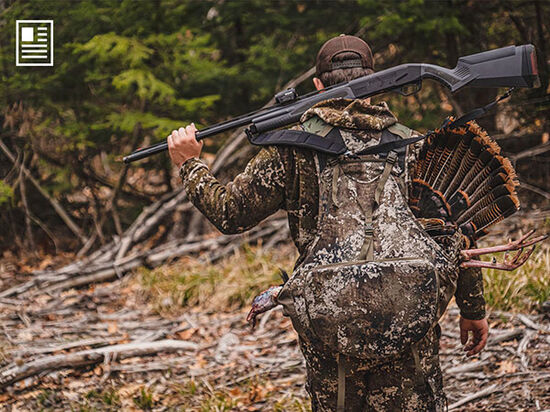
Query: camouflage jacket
x=284 y=177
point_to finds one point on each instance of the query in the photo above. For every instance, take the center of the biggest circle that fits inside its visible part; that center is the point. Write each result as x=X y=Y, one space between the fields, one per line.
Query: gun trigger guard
x=249 y=134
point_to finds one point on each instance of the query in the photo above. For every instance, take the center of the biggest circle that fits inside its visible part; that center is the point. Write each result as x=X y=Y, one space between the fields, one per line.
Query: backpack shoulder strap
x=316 y=125
x=317 y=136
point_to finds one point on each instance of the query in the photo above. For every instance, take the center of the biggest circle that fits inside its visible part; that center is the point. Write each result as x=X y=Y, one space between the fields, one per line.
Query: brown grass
x=523 y=289
x=227 y=285
x=233 y=282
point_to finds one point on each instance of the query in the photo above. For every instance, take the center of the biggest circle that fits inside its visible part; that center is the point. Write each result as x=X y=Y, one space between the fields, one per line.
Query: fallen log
x=13 y=373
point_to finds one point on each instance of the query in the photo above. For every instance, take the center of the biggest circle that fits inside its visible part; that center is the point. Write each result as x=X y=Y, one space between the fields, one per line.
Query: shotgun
x=512 y=66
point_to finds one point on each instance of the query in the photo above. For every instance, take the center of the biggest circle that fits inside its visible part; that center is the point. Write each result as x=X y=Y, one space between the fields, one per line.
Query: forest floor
x=219 y=364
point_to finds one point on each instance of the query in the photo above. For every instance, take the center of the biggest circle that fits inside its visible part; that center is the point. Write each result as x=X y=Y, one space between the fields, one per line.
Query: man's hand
x=183 y=145
x=480 y=331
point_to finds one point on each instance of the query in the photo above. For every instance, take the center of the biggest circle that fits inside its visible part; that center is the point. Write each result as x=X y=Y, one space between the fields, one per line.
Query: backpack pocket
x=364 y=309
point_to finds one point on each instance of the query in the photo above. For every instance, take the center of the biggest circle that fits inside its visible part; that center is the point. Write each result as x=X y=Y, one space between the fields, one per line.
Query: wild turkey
x=461 y=182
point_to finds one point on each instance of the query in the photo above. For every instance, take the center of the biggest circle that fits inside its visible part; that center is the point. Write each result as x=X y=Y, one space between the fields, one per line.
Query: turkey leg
x=508 y=264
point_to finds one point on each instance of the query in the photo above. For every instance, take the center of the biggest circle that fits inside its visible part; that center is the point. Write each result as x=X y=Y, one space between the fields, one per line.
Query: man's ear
x=318 y=83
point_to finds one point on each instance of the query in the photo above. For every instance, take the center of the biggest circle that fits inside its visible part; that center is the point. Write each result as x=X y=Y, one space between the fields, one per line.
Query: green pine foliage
x=6 y=193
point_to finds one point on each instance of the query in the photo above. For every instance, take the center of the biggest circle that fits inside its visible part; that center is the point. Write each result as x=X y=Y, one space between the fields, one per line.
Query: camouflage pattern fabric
x=469 y=294
x=391 y=386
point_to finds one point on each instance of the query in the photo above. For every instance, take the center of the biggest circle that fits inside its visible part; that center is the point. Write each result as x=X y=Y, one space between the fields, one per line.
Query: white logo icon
x=34 y=43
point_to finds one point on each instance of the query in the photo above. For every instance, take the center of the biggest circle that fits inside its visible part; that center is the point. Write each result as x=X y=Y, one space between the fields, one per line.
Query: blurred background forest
x=128 y=72
x=74 y=219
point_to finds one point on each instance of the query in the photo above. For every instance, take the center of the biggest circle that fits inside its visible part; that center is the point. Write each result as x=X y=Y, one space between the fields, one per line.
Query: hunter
x=285 y=177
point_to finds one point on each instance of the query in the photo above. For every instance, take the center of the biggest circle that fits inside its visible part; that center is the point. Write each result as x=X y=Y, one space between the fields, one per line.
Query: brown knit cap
x=343 y=43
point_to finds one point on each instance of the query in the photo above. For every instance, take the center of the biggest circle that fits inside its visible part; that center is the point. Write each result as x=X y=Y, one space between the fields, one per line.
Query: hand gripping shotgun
x=512 y=66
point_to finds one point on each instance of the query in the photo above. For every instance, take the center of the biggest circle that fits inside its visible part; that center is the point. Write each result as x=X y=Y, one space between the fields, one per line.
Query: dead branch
x=476 y=395
x=28 y=228
x=534 y=189
x=55 y=204
x=57 y=348
x=14 y=373
x=149 y=220
x=505 y=336
x=122 y=179
x=467 y=367
x=530 y=324
x=523 y=344
x=533 y=151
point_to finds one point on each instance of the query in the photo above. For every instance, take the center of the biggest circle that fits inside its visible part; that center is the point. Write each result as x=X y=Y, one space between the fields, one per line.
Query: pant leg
x=400 y=386
x=391 y=386
x=322 y=380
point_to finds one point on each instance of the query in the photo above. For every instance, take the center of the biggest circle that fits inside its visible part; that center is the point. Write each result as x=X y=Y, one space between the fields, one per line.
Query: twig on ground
x=504 y=336
x=467 y=367
x=524 y=343
x=534 y=189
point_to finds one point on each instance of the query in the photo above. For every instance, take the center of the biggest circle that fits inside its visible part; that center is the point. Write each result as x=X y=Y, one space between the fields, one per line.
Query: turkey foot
x=509 y=264
x=262 y=303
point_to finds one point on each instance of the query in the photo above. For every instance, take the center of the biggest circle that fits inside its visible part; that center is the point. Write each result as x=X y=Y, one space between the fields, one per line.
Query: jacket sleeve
x=241 y=204
x=469 y=294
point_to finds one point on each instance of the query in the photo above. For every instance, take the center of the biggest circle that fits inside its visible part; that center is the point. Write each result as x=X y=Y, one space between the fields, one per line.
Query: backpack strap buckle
x=369 y=229
x=391 y=159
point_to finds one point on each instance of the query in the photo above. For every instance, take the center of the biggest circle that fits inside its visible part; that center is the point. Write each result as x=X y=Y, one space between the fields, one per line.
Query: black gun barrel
x=202 y=134
x=512 y=66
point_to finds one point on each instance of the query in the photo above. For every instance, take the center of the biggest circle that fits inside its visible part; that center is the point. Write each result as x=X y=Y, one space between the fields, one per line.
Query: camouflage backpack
x=373 y=281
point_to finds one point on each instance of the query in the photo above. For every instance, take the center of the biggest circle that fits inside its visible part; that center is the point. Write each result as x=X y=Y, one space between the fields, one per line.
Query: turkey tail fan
x=462 y=179
x=503 y=207
x=428 y=202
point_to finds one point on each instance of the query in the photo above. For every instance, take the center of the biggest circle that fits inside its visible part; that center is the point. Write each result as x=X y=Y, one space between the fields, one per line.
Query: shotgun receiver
x=512 y=66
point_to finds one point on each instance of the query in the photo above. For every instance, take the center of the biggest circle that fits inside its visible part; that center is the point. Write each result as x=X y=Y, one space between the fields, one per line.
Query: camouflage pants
x=394 y=386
